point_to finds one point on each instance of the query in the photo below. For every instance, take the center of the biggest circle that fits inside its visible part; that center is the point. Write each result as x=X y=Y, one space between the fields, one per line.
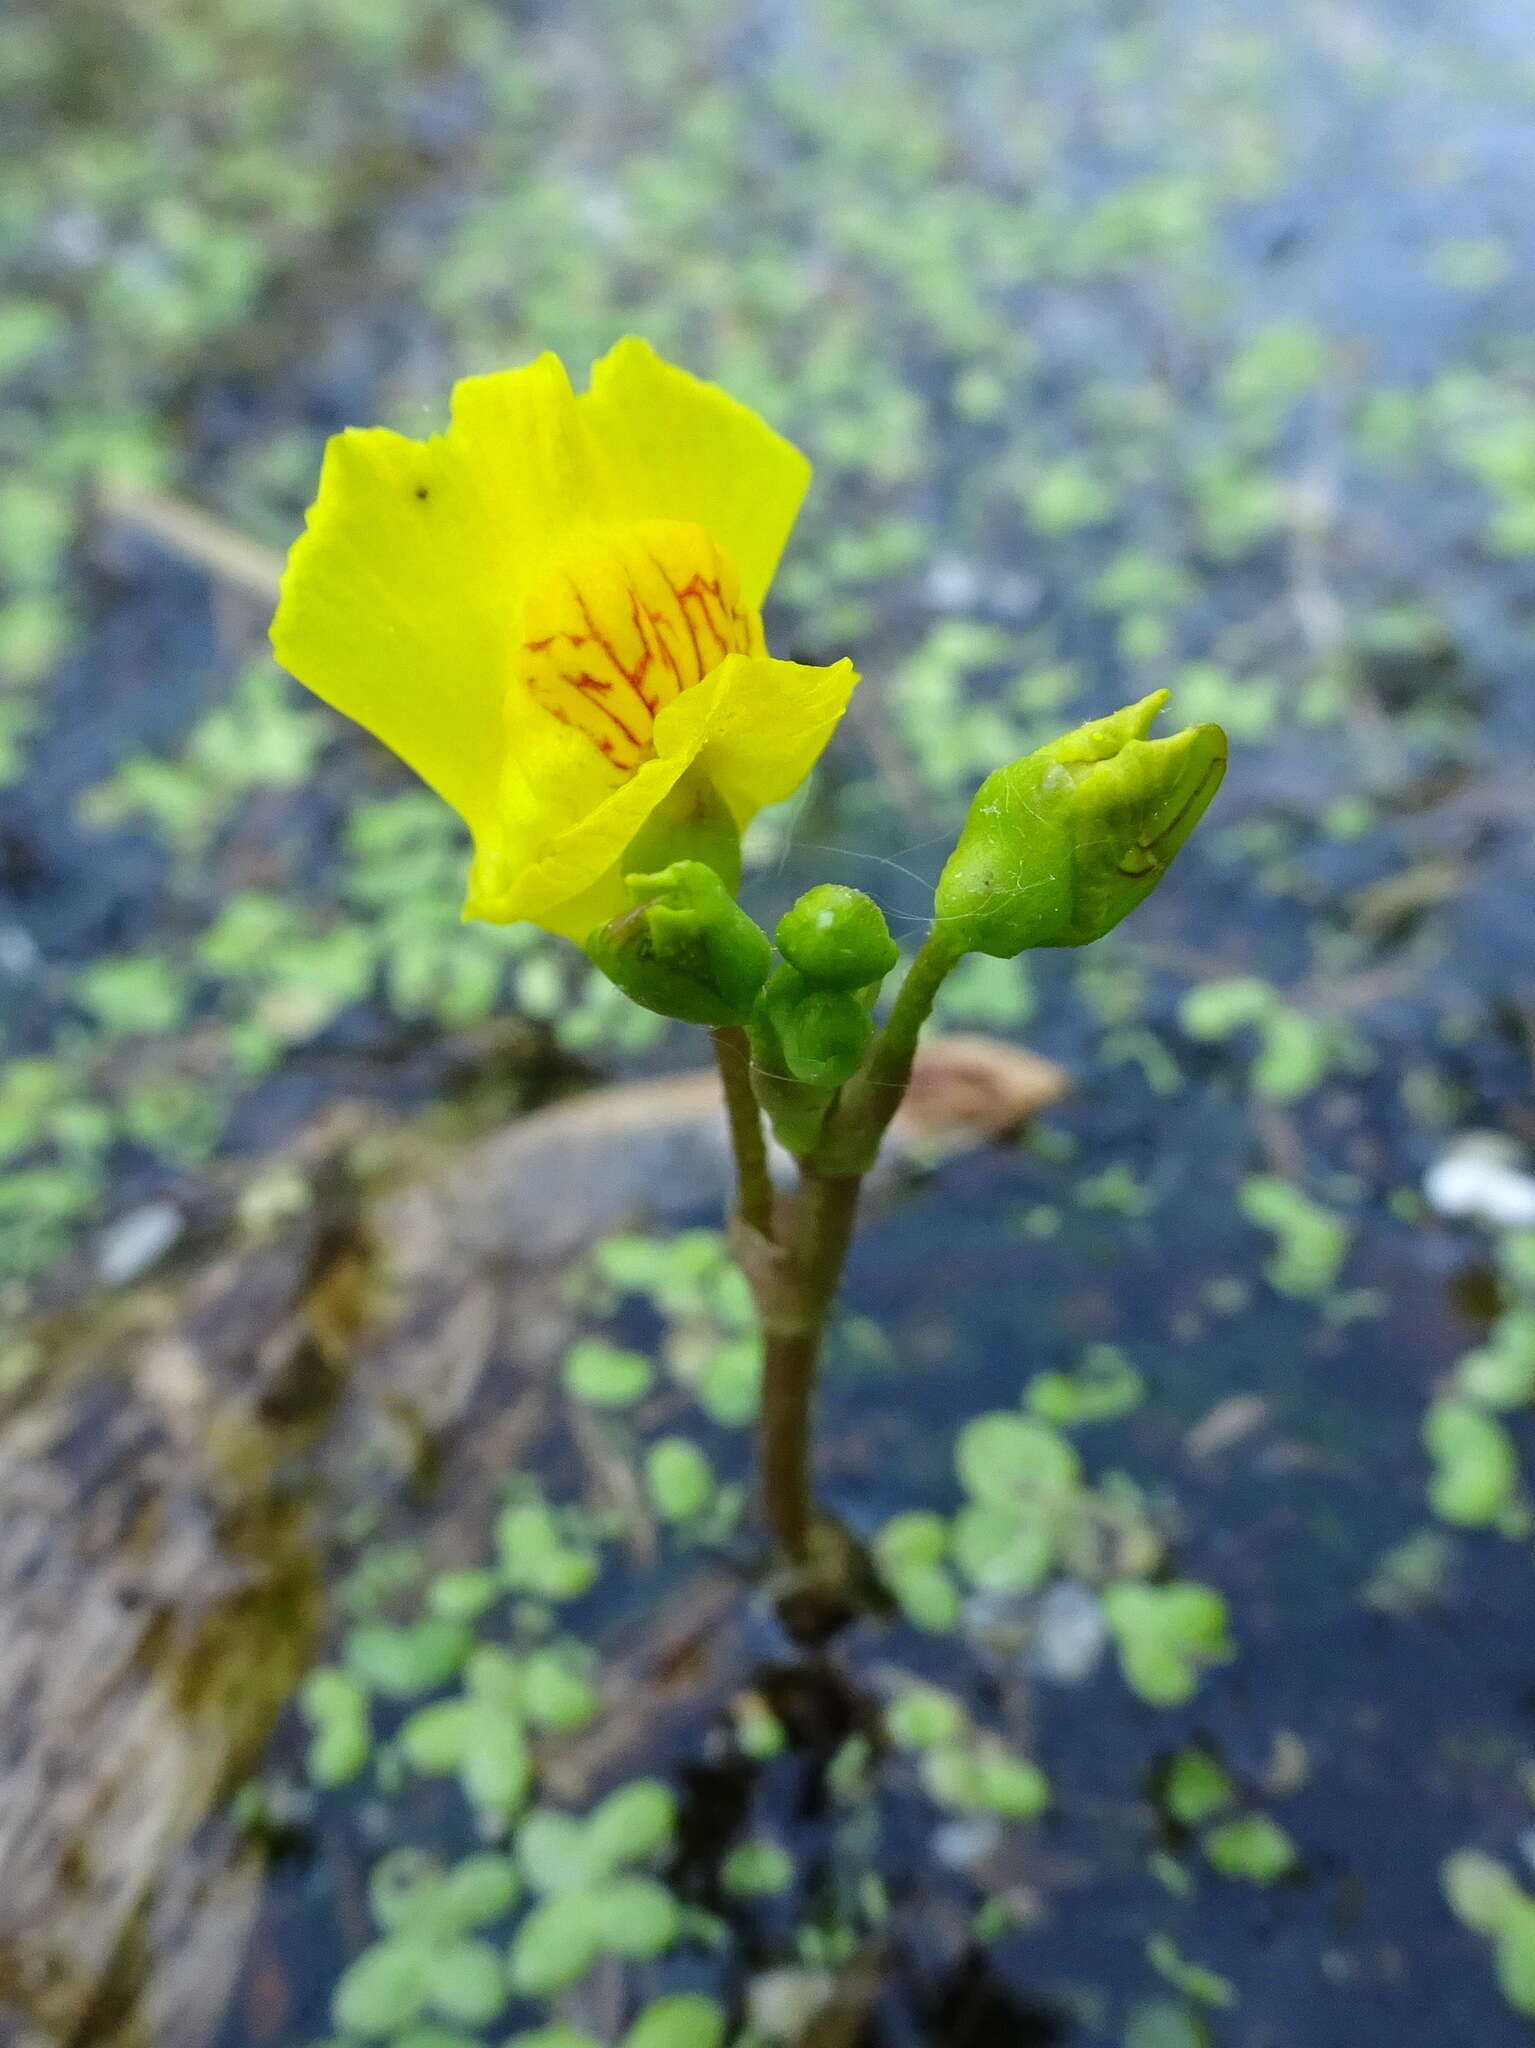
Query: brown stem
x=754 y=1182
x=828 y=1205
x=792 y=1332
x=783 y=1439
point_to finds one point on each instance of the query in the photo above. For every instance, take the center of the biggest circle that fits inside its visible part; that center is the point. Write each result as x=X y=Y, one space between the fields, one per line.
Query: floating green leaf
x=496 y=1769
x=1196 y=1788
x=466 y=1982
x=1311 y=1243
x=1007 y=1457
x=679 y=1479
x=1158 y=2023
x=436 y=1738
x=556 y=1944
x=384 y=1989
x=1476 y=1466
x=557 y=2036
x=686 y=2019
x=604 y=1376
x=1104 y=1385
x=1204 y=1986
x=1252 y=1847
x=918 y=1537
x=920 y=1716
x=1166 y=1636
x=536 y=1557
x=1486 y=1898
x=555 y=1854
x=1011 y=1786
x=336 y=1708
x=402 y=1661
x=1000 y=1550
x=556 y=1693
x=632 y=1823
x=927 y=1596
x=464 y=1596
x=757 y=1870
x=640 y=1917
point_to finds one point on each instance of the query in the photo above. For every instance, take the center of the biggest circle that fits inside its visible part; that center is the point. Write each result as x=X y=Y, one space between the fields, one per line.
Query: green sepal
x=837 y=938
x=796 y=1111
x=685 y=950
x=692 y=823
x=825 y=1033
x=1059 y=846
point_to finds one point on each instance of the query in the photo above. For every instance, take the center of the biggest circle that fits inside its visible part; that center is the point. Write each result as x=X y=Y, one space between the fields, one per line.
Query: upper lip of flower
x=1169 y=782
x=1184 y=807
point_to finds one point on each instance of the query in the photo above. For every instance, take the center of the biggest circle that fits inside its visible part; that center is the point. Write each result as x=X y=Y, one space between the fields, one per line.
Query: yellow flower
x=552 y=612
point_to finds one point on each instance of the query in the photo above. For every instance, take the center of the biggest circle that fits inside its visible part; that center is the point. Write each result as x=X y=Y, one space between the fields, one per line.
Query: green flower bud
x=837 y=938
x=824 y=1033
x=686 y=950
x=1061 y=845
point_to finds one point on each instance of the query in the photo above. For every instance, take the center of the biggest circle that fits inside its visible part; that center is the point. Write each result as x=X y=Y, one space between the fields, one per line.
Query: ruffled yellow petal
x=769 y=725
x=400 y=601
x=673 y=447
x=754 y=728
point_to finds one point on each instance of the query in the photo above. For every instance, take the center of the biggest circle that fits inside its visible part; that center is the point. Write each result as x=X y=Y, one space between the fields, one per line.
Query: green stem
x=872 y=1099
x=754 y=1181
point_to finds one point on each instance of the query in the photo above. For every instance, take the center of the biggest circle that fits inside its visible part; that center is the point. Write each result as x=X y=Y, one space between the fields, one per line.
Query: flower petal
x=569 y=877
x=755 y=727
x=674 y=447
x=399 y=603
x=768 y=726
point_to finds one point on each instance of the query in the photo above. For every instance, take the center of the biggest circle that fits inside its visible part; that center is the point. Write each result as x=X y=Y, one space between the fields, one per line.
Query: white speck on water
x=19 y=954
x=952 y=585
x=1484 y=1177
x=1070 y=1634
x=964 y=1844
x=781 y=2004
x=136 y=1241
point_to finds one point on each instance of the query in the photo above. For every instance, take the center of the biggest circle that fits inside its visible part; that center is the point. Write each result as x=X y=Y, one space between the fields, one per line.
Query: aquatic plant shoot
x=553 y=613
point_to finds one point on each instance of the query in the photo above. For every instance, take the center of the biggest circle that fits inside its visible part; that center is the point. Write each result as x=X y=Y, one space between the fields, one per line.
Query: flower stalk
x=754 y=1180
x=796 y=1284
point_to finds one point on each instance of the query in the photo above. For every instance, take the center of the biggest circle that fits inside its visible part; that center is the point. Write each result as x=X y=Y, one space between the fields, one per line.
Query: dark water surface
x=879 y=225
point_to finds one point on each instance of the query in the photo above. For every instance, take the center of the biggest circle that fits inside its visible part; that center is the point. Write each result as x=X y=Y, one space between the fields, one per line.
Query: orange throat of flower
x=626 y=620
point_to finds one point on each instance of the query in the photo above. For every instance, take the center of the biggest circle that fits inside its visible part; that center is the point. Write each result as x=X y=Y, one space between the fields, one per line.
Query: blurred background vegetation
x=1167 y=344
x=1182 y=343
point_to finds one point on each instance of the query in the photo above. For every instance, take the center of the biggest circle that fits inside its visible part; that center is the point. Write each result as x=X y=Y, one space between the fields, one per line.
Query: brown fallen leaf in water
x=1227 y=1423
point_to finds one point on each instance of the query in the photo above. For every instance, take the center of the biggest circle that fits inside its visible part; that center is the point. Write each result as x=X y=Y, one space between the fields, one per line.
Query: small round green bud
x=686 y=950
x=825 y=1033
x=837 y=938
